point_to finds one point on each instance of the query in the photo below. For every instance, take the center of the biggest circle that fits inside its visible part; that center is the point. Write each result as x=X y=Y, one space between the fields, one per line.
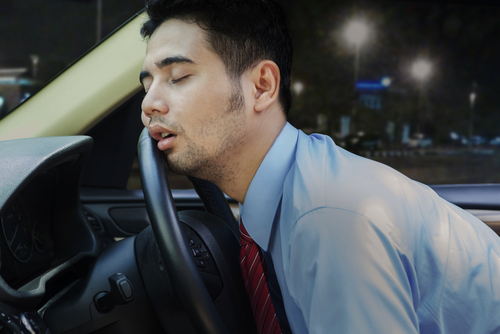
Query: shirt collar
x=264 y=193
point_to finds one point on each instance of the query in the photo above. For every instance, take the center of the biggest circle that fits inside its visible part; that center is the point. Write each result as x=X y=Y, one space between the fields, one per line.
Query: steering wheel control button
x=121 y=292
x=197 y=252
x=201 y=264
x=200 y=251
x=12 y=324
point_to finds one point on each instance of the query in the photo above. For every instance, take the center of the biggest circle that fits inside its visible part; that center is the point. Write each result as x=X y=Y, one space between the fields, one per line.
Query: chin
x=172 y=164
x=190 y=163
x=178 y=166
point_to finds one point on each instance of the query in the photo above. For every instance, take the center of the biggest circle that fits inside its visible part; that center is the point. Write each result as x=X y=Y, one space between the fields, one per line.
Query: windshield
x=41 y=38
x=410 y=84
x=413 y=85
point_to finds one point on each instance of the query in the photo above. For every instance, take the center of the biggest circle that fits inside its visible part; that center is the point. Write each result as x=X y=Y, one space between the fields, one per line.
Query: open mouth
x=167 y=135
x=166 y=140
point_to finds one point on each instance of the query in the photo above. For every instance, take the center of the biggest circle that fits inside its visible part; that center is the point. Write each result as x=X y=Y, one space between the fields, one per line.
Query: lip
x=155 y=132
x=166 y=143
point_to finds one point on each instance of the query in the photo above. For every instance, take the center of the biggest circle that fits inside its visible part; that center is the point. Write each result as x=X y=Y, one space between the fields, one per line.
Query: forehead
x=177 y=38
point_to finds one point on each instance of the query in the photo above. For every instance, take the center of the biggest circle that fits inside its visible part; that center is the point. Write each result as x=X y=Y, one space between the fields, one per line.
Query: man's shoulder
x=326 y=175
x=318 y=152
x=321 y=168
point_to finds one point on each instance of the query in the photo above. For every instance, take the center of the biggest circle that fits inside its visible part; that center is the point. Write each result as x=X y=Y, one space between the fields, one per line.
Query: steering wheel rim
x=181 y=267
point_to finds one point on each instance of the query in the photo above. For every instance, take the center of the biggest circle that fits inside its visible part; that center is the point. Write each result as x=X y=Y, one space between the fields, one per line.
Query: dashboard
x=44 y=233
x=51 y=264
x=27 y=246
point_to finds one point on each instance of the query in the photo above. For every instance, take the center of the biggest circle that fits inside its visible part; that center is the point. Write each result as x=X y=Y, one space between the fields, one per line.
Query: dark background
x=460 y=38
x=58 y=31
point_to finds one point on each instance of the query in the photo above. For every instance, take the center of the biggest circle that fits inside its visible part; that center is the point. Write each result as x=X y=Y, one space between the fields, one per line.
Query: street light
x=298 y=87
x=421 y=70
x=35 y=59
x=472 y=99
x=356 y=33
x=386 y=81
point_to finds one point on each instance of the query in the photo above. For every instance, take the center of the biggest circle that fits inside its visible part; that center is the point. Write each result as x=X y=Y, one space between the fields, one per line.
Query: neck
x=249 y=158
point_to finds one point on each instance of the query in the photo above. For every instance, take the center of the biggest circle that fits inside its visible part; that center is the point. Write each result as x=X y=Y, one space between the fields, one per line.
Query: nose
x=154 y=102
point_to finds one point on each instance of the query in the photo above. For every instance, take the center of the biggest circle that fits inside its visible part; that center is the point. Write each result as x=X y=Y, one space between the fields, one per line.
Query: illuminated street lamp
x=386 y=81
x=356 y=33
x=421 y=70
x=298 y=87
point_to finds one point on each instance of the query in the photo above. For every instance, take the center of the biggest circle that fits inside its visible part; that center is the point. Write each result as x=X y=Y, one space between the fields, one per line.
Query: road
x=446 y=166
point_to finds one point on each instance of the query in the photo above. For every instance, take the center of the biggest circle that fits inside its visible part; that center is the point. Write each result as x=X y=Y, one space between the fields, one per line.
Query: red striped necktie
x=255 y=278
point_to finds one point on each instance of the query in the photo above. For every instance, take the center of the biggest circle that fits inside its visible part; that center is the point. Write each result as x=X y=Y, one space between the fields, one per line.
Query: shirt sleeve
x=347 y=276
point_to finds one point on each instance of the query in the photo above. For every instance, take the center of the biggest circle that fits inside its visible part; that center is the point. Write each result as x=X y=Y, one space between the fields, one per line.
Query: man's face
x=192 y=107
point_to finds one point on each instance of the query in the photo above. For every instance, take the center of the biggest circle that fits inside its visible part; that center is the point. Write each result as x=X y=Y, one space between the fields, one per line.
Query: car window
x=41 y=37
x=410 y=84
x=414 y=85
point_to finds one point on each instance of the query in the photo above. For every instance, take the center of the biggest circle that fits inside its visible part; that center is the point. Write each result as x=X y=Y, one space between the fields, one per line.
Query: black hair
x=241 y=32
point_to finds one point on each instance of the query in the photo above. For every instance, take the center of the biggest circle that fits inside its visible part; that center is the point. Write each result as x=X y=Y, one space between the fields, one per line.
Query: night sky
x=58 y=31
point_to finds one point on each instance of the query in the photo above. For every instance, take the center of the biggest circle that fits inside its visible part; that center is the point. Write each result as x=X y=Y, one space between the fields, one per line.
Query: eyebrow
x=165 y=63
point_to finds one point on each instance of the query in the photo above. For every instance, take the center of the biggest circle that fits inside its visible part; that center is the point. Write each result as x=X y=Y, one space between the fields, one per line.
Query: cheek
x=206 y=107
x=205 y=128
x=201 y=110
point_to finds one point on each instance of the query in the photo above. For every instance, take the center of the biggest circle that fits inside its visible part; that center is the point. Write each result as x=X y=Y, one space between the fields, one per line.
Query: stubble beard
x=213 y=165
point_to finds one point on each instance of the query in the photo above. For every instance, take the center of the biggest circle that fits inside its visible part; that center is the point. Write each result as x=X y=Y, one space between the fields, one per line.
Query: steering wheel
x=181 y=267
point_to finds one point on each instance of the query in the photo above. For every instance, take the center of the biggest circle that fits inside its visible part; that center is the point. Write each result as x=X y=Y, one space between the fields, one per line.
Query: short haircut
x=241 y=32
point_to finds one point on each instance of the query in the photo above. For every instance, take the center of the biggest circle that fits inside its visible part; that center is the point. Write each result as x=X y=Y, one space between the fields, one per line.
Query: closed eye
x=180 y=79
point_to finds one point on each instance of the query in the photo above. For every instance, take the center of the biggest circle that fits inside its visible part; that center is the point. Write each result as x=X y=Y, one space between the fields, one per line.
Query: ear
x=266 y=82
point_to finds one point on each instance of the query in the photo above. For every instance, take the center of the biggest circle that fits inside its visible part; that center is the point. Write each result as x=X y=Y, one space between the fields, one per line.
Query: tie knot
x=245 y=238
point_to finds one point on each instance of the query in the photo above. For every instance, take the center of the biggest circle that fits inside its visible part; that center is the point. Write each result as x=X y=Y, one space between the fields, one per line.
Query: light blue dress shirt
x=360 y=248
